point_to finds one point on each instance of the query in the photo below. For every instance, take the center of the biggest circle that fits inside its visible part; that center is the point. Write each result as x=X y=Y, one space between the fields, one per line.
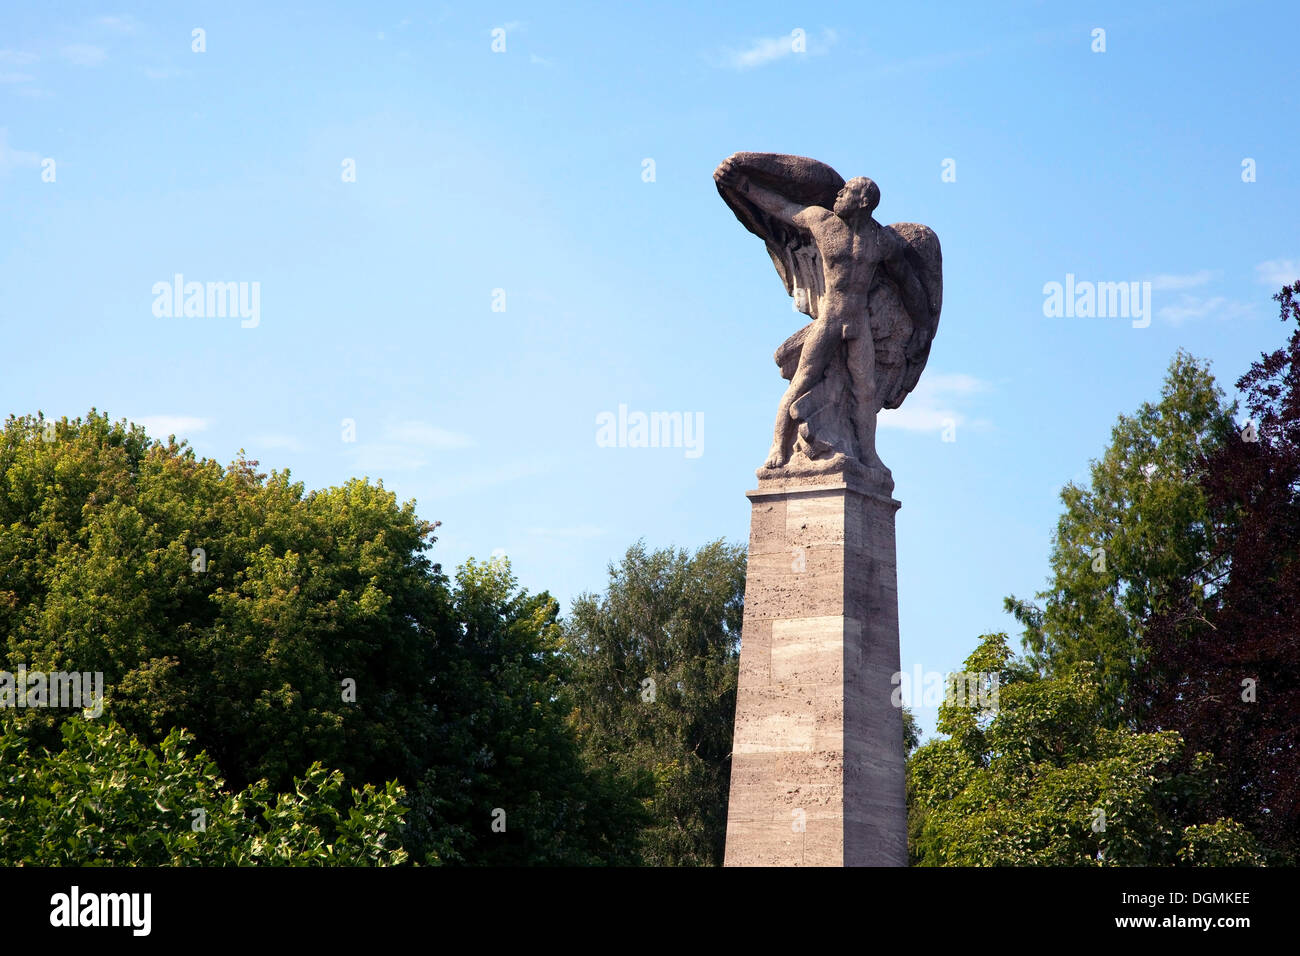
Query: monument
x=817 y=758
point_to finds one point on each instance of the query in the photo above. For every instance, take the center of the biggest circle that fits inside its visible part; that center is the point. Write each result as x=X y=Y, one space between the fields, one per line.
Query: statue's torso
x=850 y=255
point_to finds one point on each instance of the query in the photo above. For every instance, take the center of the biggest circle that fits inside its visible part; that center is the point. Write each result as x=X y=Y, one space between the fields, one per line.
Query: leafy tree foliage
x=1037 y=780
x=911 y=731
x=312 y=629
x=1224 y=663
x=1082 y=736
x=508 y=785
x=300 y=592
x=654 y=689
x=105 y=799
x=1125 y=542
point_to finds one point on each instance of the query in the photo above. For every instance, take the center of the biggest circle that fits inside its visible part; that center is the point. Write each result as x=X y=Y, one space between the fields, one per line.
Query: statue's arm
x=731 y=174
x=771 y=202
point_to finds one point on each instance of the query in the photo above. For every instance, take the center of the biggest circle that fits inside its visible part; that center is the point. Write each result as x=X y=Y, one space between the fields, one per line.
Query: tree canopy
x=1038 y=780
x=1224 y=661
x=284 y=629
x=105 y=799
x=655 y=661
x=293 y=665
x=1125 y=541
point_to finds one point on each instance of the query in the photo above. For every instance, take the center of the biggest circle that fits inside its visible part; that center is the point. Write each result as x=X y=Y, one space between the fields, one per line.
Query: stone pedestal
x=817 y=765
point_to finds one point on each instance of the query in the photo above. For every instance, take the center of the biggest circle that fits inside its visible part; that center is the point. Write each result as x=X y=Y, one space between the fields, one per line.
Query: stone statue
x=873 y=293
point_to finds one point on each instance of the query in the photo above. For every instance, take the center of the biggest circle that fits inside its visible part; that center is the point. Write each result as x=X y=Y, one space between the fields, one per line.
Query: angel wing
x=905 y=317
x=801 y=181
x=904 y=310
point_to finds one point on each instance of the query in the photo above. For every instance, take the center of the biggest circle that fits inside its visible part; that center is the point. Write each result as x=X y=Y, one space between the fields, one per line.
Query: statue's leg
x=861 y=363
x=866 y=421
x=867 y=436
x=862 y=366
x=818 y=348
x=783 y=439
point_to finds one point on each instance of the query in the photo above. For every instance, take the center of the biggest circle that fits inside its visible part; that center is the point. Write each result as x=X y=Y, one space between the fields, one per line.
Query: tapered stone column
x=817 y=764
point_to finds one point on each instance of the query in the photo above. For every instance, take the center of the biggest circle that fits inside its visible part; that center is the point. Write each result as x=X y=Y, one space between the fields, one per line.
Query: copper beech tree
x=1223 y=663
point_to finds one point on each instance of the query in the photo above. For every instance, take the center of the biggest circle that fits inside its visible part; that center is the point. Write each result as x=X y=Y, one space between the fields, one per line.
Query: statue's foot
x=776 y=459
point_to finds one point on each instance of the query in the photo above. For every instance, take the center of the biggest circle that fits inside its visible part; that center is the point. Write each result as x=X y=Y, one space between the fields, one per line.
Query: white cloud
x=118 y=24
x=1278 y=272
x=954 y=383
x=407 y=446
x=914 y=416
x=933 y=405
x=17 y=57
x=762 y=52
x=16 y=78
x=160 y=426
x=84 y=54
x=1198 y=307
x=767 y=50
x=1187 y=305
x=463 y=479
x=429 y=436
x=1174 y=283
x=15 y=158
x=374 y=458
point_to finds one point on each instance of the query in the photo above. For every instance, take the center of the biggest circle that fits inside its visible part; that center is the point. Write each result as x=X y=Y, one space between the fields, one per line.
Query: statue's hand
x=726 y=172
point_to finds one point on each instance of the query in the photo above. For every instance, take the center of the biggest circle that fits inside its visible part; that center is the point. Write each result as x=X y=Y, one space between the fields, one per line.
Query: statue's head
x=860 y=196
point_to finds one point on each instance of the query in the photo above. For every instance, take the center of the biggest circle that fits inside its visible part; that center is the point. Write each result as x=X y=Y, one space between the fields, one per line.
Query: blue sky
x=523 y=171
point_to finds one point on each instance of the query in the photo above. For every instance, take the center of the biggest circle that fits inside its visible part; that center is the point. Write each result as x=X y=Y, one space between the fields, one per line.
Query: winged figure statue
x=873 y=293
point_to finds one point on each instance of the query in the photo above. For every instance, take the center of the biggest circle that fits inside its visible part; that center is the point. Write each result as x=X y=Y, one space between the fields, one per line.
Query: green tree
x=911 y=731
x=1125 y=543
x=311 y=628
x=508 y=785
x=250 y=648
x=654 y=689
x=1035 y=779
x=1223 y=667
x=103 y=798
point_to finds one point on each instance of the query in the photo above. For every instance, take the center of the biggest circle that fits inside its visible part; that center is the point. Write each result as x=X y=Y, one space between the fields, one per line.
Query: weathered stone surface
x=873 y=292
x=816 y=730
x=817 y=764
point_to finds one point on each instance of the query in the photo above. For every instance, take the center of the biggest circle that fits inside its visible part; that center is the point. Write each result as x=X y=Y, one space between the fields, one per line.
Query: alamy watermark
x=1098 y=300
x=932 y=688
x=652 y=430
x=129 y=910
x=208 y=300
x=63 y=689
